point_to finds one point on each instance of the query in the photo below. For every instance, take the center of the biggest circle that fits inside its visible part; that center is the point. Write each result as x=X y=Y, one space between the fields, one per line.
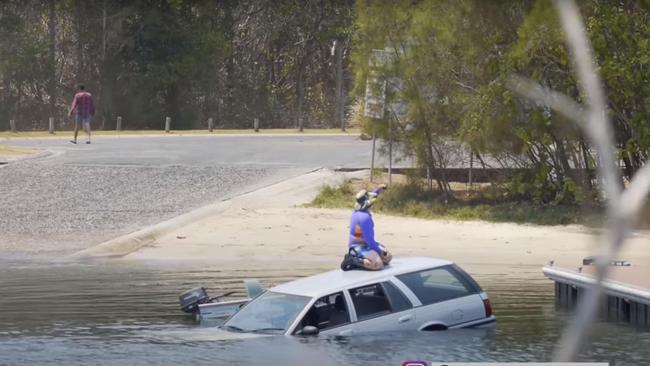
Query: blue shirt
x=362 y=230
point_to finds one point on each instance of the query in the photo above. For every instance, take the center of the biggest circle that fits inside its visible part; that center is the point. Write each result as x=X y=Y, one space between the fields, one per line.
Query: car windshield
x=270 y=312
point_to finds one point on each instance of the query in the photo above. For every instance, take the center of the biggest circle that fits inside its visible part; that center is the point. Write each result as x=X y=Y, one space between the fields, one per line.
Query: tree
x=450 y=63
x=187 y=59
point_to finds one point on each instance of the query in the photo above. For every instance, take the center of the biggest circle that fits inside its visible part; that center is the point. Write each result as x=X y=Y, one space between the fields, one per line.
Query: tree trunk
x=340 y=99
x=80 y=40
x=588 y=172
x=429 y=154
x=52 y=58
x=300 y=93
x=100 y=87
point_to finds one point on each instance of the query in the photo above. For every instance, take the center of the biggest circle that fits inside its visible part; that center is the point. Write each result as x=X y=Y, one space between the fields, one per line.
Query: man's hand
x=382 y=186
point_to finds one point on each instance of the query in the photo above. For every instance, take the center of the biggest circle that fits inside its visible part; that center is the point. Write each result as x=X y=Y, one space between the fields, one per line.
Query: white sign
x=375 y=101
x=375 y=97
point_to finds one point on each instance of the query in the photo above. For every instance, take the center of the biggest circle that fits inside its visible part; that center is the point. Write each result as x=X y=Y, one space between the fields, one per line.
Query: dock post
x=210 y=121
x=51 y=124
x=168 y=122
x=12 y=125
x=256 y=124
x=634 y=312
x=118 y=124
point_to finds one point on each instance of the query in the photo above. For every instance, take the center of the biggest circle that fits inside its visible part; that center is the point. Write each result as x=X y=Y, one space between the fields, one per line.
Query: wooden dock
x=627 y=290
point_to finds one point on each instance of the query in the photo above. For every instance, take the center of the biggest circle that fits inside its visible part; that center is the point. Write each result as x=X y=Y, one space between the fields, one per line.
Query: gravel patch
x=48 y=208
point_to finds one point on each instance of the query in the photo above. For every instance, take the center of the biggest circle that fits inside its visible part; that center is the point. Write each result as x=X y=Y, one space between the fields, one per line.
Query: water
x=120 y=313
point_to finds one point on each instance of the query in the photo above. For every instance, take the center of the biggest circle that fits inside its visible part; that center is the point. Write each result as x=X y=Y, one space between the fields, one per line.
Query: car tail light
x=488 y=307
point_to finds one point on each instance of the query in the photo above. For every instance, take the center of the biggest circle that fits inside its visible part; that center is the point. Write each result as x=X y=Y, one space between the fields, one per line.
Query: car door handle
x=405 y=318
x=346 y=332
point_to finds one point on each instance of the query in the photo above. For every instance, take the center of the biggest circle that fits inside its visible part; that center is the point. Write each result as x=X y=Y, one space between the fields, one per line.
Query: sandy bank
x=271 y=231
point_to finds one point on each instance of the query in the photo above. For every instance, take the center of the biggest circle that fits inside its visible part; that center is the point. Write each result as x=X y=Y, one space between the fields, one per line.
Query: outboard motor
x=190 y=300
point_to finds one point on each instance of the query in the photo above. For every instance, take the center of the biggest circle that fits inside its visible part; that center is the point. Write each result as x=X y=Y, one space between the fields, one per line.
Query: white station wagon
x=414 y=293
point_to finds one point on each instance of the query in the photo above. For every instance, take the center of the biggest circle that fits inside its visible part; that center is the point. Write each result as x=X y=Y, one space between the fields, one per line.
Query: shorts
x=362 y=250
x=83 y=121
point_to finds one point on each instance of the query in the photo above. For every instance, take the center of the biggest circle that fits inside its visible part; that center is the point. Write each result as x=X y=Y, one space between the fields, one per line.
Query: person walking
x=83 y=109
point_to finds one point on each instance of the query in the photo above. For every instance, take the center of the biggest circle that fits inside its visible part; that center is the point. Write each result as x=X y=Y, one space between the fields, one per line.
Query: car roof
x=333 y=281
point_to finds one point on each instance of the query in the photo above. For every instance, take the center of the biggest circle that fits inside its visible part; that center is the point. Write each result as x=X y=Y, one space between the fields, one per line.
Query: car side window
x=436 y=285
x=327 y=312
x=398 y=300
x=370 y=301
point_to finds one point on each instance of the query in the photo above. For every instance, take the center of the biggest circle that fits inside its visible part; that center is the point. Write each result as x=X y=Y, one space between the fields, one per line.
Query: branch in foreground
x=623 y=208
x=558 y=101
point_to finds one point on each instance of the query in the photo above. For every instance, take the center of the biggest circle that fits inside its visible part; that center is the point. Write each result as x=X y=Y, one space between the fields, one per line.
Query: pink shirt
x=83 y=105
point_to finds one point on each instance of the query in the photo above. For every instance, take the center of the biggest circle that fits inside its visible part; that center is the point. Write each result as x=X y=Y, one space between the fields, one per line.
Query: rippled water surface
x=126 y=313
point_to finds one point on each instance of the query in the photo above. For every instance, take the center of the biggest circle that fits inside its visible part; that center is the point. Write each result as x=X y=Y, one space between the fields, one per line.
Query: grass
x=287 y=131
x=415 y=201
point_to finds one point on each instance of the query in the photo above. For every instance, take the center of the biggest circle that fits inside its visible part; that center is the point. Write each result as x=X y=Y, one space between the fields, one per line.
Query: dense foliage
x=449 y=63
x=447 y=66
x=190 y=60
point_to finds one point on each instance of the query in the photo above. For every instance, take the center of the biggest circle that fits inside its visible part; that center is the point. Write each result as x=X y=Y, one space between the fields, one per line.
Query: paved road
x=85 y=194
x=212 y=150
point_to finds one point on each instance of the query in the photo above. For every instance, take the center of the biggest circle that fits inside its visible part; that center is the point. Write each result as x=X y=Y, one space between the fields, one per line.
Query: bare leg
x=76 y=131
x=87 y=128
x=386 y=257
x=372 y=261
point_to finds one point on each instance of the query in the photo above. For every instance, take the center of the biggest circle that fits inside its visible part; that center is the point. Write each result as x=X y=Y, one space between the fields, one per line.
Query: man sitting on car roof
x=364 y=252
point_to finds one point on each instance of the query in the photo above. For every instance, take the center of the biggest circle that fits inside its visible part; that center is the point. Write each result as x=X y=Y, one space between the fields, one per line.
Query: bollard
x=118 y=124
x=168 y=122
x=210 y=124
x=300 y=124
x=256 y=124
x=12 y=125
x=51 y=124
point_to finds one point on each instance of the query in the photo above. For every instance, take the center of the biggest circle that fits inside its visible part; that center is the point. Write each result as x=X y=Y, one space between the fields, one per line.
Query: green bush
x=491 y=204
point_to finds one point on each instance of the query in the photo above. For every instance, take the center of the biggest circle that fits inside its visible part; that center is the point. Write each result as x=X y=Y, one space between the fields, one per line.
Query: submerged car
x=415 y=293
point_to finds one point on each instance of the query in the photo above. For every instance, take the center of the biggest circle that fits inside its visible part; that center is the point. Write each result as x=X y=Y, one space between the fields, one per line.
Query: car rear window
x=370 y=301
x=436 y=285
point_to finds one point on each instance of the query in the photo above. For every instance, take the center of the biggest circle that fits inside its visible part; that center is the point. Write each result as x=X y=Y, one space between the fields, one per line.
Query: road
x=82 y=195
x=211 y=150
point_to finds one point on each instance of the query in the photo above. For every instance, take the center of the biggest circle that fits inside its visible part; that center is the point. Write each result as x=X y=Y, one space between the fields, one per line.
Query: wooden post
x=300 y=124
x=429 y=178
x=51 y=124
x=12 y=125
x=168 y=122
x=339 y=93
x=118 y=124
x=390 y=150
x=256 y=124
x=210 y=121
x=372 y=159
x=471 y=166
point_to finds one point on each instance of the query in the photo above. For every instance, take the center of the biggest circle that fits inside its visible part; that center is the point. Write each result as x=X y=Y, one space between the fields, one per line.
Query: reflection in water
x=112 y=313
